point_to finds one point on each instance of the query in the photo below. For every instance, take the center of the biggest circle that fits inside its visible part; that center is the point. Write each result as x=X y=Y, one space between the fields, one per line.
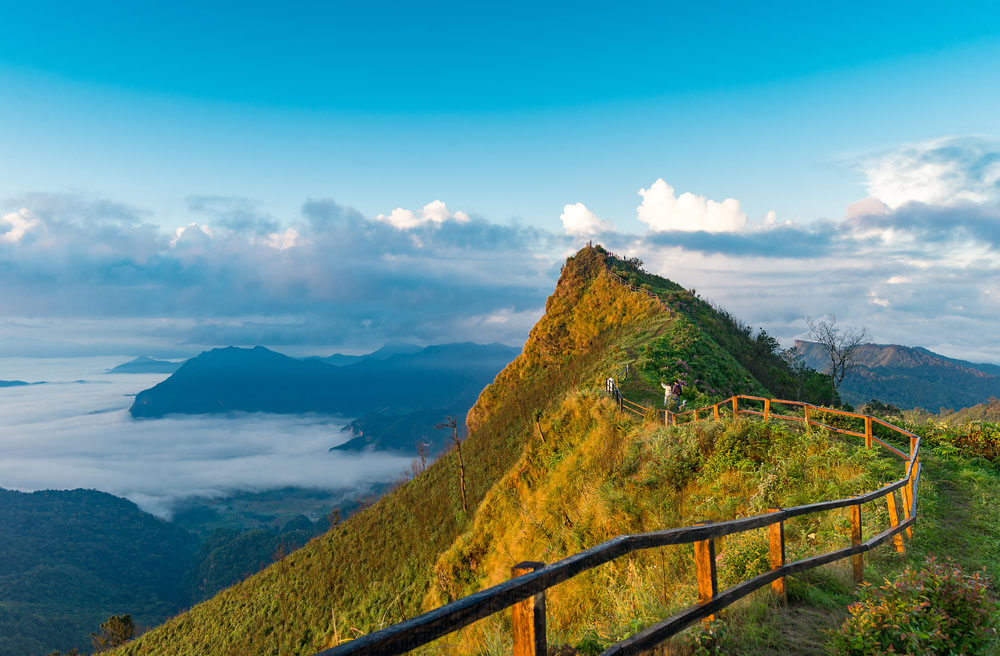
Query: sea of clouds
x=75 y=431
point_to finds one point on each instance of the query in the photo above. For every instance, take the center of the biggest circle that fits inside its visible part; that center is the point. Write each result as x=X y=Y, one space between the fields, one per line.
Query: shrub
x=744 y=556
x=935 y=610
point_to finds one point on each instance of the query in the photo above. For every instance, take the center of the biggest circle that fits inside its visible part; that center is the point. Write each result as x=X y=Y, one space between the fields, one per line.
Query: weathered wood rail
x=526 y=590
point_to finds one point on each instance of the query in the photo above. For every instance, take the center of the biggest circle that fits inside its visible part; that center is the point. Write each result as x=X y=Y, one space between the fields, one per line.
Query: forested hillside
x=69 y=559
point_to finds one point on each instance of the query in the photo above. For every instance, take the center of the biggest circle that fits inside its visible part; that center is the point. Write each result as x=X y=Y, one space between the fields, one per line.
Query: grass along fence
x=526 y=590
x=640 y=290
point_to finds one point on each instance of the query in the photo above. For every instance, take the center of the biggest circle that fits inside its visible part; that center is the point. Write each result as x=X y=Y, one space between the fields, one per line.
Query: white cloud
x=435 y=213
x=944 y=171
x=662 y=210
x=281 y=241
x=866 y=207
x=18 y=224
x=578 y=221
x=192 y=235
x=874 y=299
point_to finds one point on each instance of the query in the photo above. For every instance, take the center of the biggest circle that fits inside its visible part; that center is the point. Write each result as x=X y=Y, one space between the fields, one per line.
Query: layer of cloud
x=918 y=269
x=329 y=276
x=662 y=210
x=65 y=435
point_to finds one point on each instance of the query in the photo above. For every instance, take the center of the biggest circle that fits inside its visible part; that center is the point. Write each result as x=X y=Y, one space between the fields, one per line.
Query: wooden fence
x=526 y=590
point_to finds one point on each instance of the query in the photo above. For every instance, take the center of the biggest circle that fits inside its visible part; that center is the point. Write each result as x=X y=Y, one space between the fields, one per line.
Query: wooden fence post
x=696 y=414
x=776 y=546
x=529 y=617
x=913 y=445
x=715 y=412
x=735 y=406
x=767 y=409
x=910 y=501
x=897 y=539
x=704 y=560
x=868 y=432
x=806 y=409
x=905 y=496
x=859 y=564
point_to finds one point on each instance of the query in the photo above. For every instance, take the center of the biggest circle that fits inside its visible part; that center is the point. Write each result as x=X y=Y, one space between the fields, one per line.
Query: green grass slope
x=380 y=566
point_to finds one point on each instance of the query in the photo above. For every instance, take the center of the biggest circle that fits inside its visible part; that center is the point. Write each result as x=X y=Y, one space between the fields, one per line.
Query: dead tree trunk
x=451 y=423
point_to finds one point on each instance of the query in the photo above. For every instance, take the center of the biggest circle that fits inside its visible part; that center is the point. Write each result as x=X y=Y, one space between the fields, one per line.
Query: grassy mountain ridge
x=375 y=568
x=379 y=567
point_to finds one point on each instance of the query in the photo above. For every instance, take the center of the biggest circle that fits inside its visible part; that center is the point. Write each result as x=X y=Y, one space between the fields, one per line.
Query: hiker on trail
x=667 y=391
x=677 y=389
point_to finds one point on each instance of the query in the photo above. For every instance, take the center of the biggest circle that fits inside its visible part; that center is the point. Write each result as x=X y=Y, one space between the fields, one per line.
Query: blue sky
x=122 y=123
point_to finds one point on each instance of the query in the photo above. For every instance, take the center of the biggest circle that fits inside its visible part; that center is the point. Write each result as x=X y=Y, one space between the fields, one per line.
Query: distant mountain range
x=910 y=377
x=146 y=365
x=388 y=350
x=12 y=383
x=398 y=393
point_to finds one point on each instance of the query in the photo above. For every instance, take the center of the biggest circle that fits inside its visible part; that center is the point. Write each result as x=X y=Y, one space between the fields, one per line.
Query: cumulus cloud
x=866 y=207
x=433 y=213
x=662 y=210
x=67 y=435
x=17 y=224
x=191 y=236
x=578 y=221
x=944 y=171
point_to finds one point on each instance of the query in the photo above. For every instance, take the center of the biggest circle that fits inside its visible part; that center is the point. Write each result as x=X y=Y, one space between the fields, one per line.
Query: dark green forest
x=70 y=559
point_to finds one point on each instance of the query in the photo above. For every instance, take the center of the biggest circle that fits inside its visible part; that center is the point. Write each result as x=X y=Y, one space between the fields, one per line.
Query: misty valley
x=163 y=482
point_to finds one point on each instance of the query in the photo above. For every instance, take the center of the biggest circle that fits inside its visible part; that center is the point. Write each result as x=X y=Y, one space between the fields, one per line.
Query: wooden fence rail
x=532 y=579
x=640 y=290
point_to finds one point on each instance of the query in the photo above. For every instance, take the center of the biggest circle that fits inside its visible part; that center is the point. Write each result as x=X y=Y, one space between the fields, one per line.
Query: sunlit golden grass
x=599 y=474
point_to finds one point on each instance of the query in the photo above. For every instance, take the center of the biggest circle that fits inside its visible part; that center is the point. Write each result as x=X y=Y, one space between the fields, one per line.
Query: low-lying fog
x=66 y=434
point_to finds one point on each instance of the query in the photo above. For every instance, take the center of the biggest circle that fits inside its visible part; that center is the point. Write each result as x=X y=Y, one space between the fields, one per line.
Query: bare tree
x=840 y=345
x=419 y=464
x=450 y=422
x=800 y=370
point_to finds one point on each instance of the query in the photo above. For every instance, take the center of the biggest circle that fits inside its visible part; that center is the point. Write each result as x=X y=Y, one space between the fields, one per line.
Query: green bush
x=744 y=556
x=935 y=610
